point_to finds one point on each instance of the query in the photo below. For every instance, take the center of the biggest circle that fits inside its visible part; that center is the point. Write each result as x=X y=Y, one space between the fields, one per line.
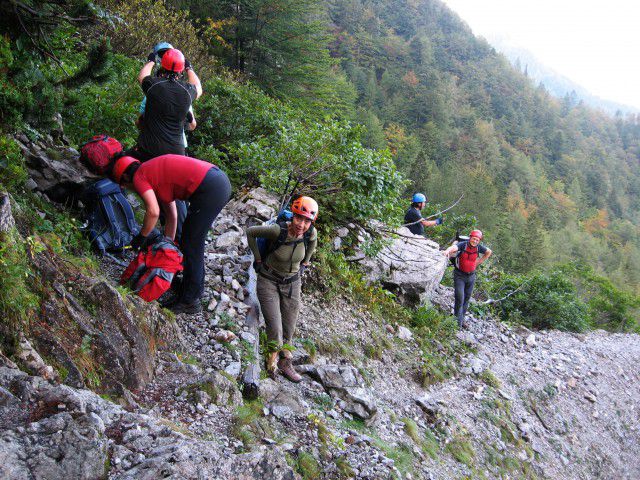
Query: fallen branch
x=491 y=301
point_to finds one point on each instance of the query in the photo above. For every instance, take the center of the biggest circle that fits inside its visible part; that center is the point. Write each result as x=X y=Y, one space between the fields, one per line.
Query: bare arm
x=428 y=223
x=195 y=81
x=486 y=255
x=151 y=214
x=171 y=220
x=146 y=71
x=449 y=251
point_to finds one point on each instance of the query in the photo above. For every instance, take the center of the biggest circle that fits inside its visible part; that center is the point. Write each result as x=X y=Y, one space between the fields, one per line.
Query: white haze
x=595 y=44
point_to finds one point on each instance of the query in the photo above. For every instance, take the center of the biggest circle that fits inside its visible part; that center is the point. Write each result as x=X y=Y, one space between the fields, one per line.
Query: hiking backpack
x=97 y=153
x=111 y=224
x=267 y=246
x=455 y=260
x=150 y=274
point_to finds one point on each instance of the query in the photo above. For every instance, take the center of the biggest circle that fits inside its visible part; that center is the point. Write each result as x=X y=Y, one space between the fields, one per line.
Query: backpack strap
x=106 y=206
x=128 y=213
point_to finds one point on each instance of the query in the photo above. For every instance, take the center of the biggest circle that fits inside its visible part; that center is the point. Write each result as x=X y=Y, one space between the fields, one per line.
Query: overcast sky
x=594 y=43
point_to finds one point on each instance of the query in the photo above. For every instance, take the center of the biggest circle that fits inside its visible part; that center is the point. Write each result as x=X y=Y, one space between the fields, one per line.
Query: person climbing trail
x=168 y=101
x=160 y=182
x=413 y=218
x=280 y=268
x=467 y=259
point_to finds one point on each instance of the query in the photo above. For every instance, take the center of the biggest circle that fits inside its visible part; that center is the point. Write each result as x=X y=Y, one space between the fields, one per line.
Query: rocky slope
x=519 y=405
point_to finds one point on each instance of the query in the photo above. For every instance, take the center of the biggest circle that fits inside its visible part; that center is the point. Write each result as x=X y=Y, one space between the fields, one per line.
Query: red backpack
x=151 y=272
x=98 y=152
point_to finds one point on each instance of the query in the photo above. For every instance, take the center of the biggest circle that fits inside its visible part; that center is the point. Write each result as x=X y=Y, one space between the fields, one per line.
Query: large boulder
x=55 y=170
x=411 y=266
x=93 y=334
x=257 y=203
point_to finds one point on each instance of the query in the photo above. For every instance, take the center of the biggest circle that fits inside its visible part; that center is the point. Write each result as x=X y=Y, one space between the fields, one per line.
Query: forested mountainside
x=553 y=174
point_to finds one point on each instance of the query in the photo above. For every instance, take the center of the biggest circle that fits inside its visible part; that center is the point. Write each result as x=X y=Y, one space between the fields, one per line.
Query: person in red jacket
x=464 y=274
x=160 y=182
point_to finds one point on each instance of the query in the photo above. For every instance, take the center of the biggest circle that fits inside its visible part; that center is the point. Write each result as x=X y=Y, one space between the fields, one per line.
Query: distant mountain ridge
x=556 y=84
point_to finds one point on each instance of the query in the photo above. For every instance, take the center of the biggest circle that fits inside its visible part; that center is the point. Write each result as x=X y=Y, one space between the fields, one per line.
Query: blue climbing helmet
x=161 y=47
x=419 y=198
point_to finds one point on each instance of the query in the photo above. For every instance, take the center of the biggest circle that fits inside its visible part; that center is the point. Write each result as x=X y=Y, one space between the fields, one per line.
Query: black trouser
x=181 y=206
x=463 y=285
x=204 y=206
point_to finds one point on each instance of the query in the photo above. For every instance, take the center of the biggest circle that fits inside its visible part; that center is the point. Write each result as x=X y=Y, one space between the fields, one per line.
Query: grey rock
x=411 y=267
x=6 y=218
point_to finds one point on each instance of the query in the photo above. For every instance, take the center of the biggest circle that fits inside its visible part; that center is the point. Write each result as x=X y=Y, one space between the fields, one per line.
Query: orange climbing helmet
x=306 y=207
x=121 y=166
x=476 y=233
x=173 y=60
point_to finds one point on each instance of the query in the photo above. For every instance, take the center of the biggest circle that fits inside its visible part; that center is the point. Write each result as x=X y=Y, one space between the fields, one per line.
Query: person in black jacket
x=413 y=218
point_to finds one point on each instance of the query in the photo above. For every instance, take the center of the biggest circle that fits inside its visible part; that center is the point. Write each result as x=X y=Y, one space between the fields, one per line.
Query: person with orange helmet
x=160 y=182
x=469 y=254
x=280 y=261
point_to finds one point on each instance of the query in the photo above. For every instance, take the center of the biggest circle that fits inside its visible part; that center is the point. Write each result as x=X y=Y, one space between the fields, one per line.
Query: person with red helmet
x=160 y=182
x=288 y=247
x=168 y=101
x=469 y=254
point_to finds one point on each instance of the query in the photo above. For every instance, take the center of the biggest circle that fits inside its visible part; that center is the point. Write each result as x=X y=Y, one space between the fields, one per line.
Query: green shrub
x=545 y=300
x=18 y=302
x=13 y=171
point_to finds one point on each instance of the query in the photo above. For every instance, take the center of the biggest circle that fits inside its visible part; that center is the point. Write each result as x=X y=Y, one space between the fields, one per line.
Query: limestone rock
x=6 y=218
x=55 y=169
x=411 y=266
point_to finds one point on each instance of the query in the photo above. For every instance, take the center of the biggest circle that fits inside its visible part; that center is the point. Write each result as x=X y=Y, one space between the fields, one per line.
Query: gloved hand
x=439 y=221
x=152 y=57
x=138 y=241
x=257 y=266
x=187 y=65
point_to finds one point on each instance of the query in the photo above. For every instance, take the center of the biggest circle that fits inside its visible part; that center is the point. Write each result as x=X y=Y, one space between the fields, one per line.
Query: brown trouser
x=280 y=305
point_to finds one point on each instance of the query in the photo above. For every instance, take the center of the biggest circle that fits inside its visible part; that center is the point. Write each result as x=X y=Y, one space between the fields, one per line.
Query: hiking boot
x=286 y=367
x=272 y=365
x=190 y=308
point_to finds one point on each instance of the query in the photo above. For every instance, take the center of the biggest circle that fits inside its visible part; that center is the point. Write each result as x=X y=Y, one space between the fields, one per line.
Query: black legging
x=463 y=288
x=204 y=206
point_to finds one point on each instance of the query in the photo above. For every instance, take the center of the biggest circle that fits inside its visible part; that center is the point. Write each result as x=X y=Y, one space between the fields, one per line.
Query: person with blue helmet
x=413 y=218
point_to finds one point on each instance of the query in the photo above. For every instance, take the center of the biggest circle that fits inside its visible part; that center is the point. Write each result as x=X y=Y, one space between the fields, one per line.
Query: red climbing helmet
x=306 y=207
x=173 y=60
x=121 y=166
x=476 y=233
